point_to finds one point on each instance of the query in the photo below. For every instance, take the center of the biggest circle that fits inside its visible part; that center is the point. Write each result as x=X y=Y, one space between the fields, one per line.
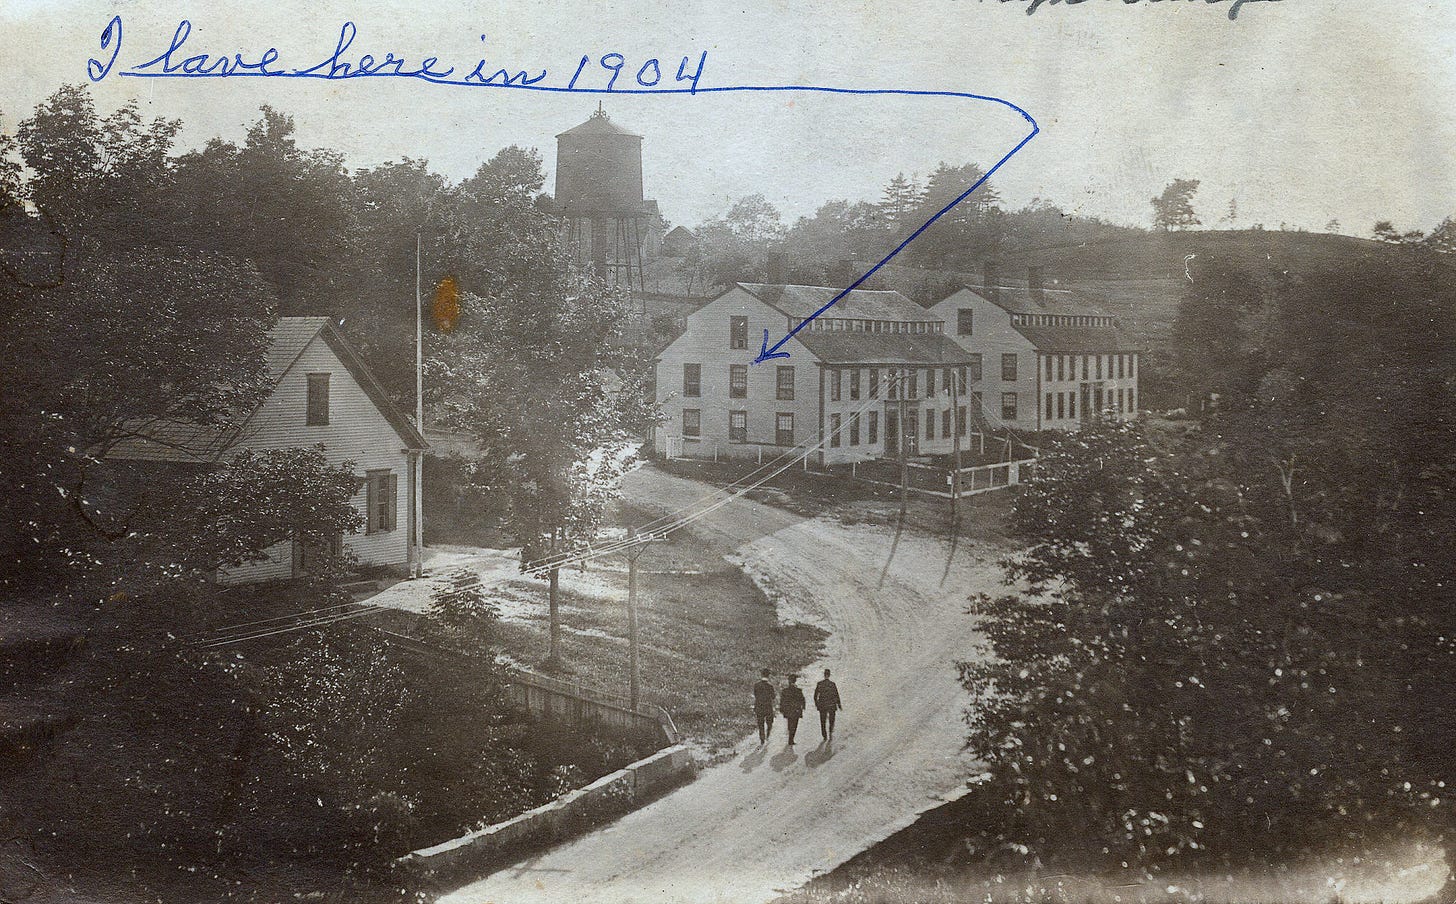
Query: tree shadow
x=820 y=755
x=783 y=759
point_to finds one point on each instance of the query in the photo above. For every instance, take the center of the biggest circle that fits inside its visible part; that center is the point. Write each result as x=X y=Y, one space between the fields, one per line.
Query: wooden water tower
x=599 y=192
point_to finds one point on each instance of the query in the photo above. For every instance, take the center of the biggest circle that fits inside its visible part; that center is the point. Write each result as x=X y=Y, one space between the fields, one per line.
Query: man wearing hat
x=791 y=704
x=763 y=706
x=826 y=700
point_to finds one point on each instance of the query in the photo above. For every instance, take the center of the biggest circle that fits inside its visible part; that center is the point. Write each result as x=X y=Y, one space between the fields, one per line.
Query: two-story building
x=322 y=395
x=873 y=364
x=1051 y=360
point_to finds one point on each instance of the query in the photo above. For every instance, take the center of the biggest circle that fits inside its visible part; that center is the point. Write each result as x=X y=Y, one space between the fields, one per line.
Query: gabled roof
x=202 y=443
x=681 y=232
x=1020 y=300
x=1080 y=340
x=854 y=347
x=861 y=304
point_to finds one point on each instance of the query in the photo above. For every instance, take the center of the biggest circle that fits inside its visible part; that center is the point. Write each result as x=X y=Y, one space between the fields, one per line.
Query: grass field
x=705 y=631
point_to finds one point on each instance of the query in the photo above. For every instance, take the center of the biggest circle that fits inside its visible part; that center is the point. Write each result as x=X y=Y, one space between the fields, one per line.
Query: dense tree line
x=1237 y=633
x=138 y=284
x=751 y=242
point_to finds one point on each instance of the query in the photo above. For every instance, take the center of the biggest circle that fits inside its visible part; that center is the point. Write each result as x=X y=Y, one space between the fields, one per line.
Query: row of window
x=1063 y=405
x=1061 y=320
x=1064 y=367
x=692 y=426
x=842 y=325
x=1058 y=368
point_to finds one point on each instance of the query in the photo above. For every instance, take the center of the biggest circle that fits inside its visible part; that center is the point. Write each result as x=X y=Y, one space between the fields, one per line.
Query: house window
x=1099 y=366
x=945 y=378
x=1061 y=367
x=929 y=382
x=978 y=405
x=854 y=429
x=945 y=423
x=834 y=430
x=1061 y=405
x=317 y=413
x=874 y=383
x=1121 y=366
x=738 y=381
x=1085 y=367
x=738 y=426
x=1049 y=406
x=914 y=384
x=835 y=384
x=1008 y=406
x=381 y=501
x=976 y=367
x=692 y=422
x=874 y=428
x=1071 y=404
x=784 y=428
x=930 y=423
x=692 y=380
x=961 y=374
x=1048 y=368
x=738 y=332
x=785 y=387
x=854 y=383
x=1008 y=367
x=964 y=322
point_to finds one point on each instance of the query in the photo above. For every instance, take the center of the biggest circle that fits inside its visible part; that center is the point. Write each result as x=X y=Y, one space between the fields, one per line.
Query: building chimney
x=1033 y=284
x=988 y=280
x=777 y=262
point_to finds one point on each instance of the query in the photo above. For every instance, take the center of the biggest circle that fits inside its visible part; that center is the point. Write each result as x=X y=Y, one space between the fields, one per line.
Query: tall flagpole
x=419 y=463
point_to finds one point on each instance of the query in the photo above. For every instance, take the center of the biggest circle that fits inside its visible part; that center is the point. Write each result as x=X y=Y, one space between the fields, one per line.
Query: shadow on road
x=820 y=755
x=754 y=759
x=899 y=529
x=783 y=759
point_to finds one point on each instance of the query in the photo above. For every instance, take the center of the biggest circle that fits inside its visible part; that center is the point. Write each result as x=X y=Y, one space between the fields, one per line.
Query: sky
x=1301 y=111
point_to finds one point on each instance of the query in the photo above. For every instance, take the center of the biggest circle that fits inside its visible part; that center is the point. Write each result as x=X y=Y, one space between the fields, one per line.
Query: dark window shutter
x=371 y=504
x=391 y=501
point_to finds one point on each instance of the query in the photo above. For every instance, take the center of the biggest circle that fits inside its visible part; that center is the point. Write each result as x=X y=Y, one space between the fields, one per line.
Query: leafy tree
x=1209 y=617
x=838 y=231
x=1443 y=238
x=545 y=378
x=99 y=370
x=1173 y=209
x=96 y=175
x=968 y=231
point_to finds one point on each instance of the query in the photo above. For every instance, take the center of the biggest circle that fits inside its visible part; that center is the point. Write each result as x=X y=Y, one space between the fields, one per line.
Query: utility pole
x=633 y=552
x=417 y=528
x=955 y=432
x=901 y=387
x=635 y=548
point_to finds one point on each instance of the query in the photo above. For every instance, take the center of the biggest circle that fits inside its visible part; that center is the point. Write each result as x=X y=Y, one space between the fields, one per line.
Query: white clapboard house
x=322 y=395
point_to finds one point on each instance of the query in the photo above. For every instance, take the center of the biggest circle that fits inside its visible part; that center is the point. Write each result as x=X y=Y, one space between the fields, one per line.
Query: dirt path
x=770 y=818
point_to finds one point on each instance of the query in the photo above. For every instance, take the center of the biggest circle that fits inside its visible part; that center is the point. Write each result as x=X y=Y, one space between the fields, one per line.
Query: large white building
x=1050 y=361
x=854 y=375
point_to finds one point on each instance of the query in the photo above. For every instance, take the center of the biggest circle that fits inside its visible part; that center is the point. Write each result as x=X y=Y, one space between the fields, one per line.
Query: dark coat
x=826 y=695
x=763 y=697
x=791 y=701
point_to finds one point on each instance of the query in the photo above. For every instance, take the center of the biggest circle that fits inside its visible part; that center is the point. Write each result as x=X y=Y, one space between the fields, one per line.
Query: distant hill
x=1141 y=278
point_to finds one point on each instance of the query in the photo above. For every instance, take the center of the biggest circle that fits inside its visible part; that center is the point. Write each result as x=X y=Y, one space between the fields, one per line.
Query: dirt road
x=771 y=817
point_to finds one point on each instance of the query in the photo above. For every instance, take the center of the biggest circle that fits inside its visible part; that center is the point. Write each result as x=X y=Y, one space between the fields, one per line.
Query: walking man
x=826 y=700
x=763 y=706
x=791 y=704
